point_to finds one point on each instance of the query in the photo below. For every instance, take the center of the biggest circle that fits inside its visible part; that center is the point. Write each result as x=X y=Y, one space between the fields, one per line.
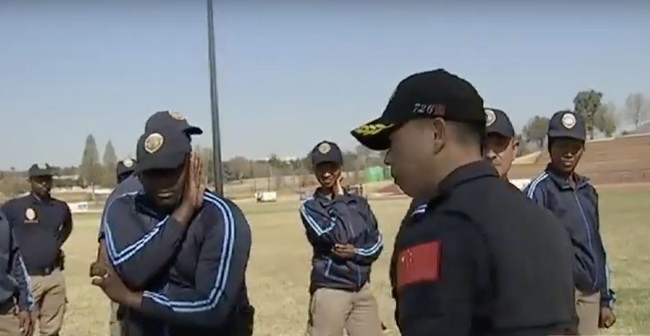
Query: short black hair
x=470 y=134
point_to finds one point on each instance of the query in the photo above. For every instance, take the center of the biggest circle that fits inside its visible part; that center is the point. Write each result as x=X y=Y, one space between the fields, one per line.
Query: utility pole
x=214 y=103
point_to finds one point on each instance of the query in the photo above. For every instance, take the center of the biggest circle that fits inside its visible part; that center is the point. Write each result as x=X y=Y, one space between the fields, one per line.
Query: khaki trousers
x=9 y=323
x=49 y=302
x=332 y=310
x=114 y=324
x=588 y=309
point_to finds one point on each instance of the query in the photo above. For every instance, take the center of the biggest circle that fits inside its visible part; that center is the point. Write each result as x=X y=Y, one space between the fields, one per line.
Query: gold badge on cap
x=176 y=115
x=30 y=215
x=568 y=120
x=371 y=129
x=153 y=142
x=128 y=163
x=324 y=148
x=490 y=117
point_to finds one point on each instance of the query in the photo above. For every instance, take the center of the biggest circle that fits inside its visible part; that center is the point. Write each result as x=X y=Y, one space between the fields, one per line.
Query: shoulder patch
x=419 y=263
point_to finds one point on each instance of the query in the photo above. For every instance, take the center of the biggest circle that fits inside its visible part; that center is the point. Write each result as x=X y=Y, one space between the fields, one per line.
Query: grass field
x=279 y=267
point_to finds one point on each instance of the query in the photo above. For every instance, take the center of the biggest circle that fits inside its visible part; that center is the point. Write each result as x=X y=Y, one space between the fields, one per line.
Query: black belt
x=41 y=271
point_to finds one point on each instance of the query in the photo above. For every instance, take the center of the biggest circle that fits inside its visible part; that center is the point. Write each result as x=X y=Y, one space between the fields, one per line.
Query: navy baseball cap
x=170 y=119
x=498 y=122
x=326 y=151
x=430 y=94
x=126 y=166
x=40 y=170
x=567 y=124
x=165 y=148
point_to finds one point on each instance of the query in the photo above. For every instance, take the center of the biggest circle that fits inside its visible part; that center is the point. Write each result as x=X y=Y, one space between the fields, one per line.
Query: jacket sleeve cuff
x=24 y=306
x=607 y=302
x=150 y=307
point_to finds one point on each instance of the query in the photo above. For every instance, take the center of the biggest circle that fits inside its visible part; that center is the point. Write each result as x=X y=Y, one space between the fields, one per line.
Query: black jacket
x=346 y=219
x=482 y=259
x=577 y=208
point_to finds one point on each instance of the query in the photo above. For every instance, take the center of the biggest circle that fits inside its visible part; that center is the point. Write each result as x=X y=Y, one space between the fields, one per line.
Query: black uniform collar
x=468 y=172
x=38 y=200
x=561 y=181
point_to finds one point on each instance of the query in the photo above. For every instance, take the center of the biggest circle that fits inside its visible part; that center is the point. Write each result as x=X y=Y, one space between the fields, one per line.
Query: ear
x=515 y=145
x=440 y=129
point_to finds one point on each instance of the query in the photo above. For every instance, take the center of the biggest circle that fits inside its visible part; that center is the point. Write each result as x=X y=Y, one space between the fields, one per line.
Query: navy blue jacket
x=14 y=280
x=346 y=219
x=129 y=185
x=578 y=209
x=194 y=277
x=41 y=227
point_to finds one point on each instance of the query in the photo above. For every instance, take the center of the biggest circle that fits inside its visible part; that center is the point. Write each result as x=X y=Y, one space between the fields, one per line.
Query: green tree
x=109 y=161
x=90 y=169
x=535 y=131
x=587 y=103
x=606 y=119
x=637 y=109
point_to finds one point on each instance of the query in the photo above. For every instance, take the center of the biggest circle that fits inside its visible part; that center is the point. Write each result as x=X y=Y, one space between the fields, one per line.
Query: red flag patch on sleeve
x=418 y=263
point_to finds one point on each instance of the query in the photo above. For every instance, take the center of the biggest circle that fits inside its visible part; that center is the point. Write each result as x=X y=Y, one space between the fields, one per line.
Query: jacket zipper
x=589 y=238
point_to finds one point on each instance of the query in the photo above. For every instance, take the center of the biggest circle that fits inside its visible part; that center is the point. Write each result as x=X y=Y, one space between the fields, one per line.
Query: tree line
x=95 y=170
x=602 y=118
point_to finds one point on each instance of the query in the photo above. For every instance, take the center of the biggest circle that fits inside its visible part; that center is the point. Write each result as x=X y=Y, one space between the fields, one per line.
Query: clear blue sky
x=292 y=73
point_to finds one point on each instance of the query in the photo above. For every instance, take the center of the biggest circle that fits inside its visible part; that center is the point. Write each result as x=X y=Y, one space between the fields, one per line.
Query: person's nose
x=491 y=155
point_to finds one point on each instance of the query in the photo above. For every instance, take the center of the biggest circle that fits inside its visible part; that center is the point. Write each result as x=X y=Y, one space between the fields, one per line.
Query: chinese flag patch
x=418 y=263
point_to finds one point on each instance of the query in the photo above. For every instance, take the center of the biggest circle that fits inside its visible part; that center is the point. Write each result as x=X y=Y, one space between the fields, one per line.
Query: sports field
x=279 y=267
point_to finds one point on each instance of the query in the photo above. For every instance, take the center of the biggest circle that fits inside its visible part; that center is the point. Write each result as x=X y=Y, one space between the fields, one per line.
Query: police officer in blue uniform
x=128 y=183
x=42 y=225
x=15 y=293
x=177 y=252
x=502 y=145
x=574 y=200
x=343 y=232
x=480 y=259
x=123 y=170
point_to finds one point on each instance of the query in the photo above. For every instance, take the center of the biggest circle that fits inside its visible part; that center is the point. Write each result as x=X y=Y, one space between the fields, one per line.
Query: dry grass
x=279 y=266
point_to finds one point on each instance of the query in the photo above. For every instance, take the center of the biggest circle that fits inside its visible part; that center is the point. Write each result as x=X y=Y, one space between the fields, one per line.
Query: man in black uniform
x=574 y=200
x=501 y=149
x=481 y=259
x=178 y=253
x=42 y=225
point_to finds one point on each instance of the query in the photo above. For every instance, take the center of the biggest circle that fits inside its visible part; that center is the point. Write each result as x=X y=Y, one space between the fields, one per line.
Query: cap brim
x=159 y=162
x=375 y=135
x=193 y=130
x=41 y=174
x=500 y=132
x=563 y=134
